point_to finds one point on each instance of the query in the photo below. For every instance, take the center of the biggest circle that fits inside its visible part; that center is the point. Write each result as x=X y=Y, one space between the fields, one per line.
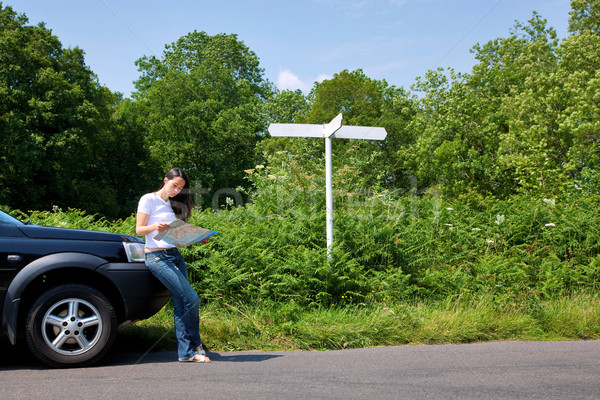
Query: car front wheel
x=70 y=325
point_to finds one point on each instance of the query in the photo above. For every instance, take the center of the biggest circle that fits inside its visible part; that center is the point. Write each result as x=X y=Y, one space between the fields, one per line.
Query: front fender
x=30 y=272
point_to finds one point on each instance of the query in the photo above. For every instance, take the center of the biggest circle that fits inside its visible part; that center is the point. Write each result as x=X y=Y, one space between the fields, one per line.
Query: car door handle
x=14 y=257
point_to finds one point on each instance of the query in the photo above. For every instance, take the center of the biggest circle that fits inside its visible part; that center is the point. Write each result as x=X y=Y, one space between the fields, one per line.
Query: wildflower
x=500 y=219
x=272 y=177
x=550 y=224
x=476 y=229
x=551 y=202
x=260 y=166
x=249 y=171
x=449 y=208
x=489 y=241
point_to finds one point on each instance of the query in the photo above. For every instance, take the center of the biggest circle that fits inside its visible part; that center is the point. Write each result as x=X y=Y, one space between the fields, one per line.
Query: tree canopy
x=56 y=125
x=515 y=124
x=525 y=120
x=203 y=105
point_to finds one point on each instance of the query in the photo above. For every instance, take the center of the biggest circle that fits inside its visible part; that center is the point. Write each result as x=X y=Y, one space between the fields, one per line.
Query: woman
x=155 y=210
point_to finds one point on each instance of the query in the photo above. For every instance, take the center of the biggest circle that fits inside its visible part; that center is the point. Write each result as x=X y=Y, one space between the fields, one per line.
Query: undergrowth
x=402 y=270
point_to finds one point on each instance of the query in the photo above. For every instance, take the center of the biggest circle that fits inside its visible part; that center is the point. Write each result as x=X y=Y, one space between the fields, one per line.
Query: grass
x=229 y=327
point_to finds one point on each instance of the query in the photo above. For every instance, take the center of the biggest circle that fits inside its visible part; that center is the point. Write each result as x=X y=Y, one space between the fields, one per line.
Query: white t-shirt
x=157 y=210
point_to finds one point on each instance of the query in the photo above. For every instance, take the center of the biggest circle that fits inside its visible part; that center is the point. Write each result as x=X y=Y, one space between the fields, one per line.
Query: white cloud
x=323 y=77
x=287 y=80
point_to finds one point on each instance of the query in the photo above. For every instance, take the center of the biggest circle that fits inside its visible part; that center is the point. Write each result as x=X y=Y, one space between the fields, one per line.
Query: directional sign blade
x=360 y=132
x=297 y=130
x=333 y=126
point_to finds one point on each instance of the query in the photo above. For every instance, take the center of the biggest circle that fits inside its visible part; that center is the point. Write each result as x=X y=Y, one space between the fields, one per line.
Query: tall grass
x=229 y=327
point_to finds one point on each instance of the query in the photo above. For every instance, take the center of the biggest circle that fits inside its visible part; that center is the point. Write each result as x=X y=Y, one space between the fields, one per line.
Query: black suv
x=67 y=291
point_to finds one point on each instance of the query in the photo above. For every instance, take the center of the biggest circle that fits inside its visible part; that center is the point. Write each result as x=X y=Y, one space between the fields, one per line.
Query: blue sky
x=298 y=42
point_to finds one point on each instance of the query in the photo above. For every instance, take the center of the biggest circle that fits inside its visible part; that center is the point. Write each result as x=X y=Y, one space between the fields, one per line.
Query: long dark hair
x=182 y=203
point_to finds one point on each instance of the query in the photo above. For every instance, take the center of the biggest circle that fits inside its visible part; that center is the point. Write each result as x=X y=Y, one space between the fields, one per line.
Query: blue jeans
x=169 y=267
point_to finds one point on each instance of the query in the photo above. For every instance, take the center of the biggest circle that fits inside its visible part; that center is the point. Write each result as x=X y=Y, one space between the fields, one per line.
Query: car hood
x=46 y=232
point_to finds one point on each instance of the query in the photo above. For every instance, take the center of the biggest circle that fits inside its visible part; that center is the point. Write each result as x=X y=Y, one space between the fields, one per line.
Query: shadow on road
x=128 y=349
x=16 y=357
x=241 y=357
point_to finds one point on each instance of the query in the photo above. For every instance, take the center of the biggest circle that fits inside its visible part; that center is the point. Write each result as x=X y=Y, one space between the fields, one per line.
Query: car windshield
x=7 y=219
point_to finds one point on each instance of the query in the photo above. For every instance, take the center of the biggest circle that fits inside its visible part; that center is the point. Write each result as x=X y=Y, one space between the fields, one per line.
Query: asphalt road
x=502 y=370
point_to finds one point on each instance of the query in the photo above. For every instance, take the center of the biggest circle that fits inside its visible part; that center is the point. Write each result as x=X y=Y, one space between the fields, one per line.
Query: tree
x=203 y=103
x=284 y=107
x=584 y=16
x=287 y=107
x=452 y=149
x=128 y=172
x=363 y=101
x=494 y=131
x=55 y=118
x=579 y=75
x=532 y=153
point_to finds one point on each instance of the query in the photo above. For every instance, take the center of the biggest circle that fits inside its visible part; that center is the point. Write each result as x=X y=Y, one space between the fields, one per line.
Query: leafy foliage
x=388 y=250
x=362 y=101
x=524 y=121
x=486 y=186
x=56 y=128
x=202 y=103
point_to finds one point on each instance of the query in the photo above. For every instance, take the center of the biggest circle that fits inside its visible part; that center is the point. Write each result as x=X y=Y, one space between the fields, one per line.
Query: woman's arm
x=141 y=229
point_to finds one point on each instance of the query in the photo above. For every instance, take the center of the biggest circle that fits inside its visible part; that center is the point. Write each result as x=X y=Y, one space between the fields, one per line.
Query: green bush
x=388 y=249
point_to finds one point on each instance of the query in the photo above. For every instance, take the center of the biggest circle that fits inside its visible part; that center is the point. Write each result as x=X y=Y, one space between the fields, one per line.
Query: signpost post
x=333 y=129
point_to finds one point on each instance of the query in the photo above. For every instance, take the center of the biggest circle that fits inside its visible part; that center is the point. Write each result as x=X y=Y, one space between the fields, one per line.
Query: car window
x=5 y=218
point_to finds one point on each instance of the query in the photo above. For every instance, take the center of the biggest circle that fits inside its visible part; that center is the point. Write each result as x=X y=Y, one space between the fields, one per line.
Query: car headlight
x=134 y=251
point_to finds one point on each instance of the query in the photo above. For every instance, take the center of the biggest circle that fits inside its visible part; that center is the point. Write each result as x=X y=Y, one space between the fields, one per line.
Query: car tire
x=70 y=325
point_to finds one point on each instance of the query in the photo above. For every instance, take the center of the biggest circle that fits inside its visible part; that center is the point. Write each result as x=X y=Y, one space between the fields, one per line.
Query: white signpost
x=334 y=129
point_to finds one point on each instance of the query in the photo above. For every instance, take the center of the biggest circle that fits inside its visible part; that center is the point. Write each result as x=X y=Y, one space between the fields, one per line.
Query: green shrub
x=388 y=249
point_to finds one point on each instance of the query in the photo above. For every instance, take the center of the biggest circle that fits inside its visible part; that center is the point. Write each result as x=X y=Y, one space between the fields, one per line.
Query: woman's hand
x=160 y=226
x=141 y=229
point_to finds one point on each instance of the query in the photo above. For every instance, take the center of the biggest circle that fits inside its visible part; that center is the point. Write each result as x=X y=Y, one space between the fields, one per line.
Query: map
x=182 y=234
